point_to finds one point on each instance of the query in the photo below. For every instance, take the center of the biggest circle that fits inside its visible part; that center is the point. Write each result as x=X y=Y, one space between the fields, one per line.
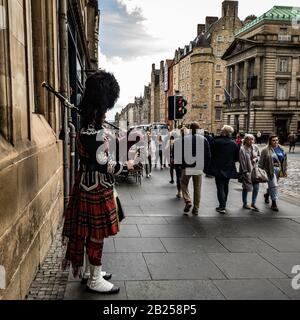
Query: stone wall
x=31 y=156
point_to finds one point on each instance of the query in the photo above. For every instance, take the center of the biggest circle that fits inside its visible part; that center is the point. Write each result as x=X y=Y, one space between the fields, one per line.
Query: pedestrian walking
x=170 y=150
x=249 y=157
x=92 y=212
x=274 y=161
x=292 y=138
x=210 y=138
x=149 y=154
x=258 y=137
x=198 y=149
x=238 y=140
x=160 y=151
x=225 y=153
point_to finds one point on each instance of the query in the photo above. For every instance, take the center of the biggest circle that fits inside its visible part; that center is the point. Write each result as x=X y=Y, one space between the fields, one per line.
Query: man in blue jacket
x=225 y=153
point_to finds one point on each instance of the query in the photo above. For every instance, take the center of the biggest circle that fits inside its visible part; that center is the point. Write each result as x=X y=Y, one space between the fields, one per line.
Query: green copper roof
x=277 y=13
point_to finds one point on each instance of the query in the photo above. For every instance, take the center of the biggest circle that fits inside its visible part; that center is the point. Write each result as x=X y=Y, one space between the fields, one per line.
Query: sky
x=136 y=33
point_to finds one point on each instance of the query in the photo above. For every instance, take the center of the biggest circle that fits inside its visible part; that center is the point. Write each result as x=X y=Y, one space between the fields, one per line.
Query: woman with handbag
x=94 y=209
x=249 y=156
x=274 y=161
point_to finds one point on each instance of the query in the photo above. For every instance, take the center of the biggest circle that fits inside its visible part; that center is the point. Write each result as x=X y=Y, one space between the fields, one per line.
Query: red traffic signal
x=180 y=110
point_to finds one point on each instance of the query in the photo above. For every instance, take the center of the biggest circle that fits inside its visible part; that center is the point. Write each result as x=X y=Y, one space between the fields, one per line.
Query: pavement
x=162 y=254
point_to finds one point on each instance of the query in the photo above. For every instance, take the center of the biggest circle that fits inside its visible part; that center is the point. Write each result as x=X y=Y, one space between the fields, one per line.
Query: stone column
x=246 y=74
x=257 y=72
x=236 y=76
x=294 y=84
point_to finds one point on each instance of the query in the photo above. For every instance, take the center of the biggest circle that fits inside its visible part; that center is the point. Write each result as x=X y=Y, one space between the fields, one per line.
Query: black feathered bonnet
x=101 y=93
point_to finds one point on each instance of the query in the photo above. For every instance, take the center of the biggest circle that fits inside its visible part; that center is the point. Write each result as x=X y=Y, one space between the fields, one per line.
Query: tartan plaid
x=90 y=214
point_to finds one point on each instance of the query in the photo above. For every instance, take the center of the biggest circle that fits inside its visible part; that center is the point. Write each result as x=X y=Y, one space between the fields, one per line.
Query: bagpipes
x=119 y=141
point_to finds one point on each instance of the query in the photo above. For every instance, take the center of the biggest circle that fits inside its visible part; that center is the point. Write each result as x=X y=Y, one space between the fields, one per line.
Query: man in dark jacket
x=225 y=153
x=196 y=159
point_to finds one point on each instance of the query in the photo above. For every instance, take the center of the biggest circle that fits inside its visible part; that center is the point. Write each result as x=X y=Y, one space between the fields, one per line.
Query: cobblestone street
x=291 y=185
x=50 y=282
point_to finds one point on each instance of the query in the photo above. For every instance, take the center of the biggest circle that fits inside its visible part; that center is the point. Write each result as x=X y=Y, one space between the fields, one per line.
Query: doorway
x=281 y=127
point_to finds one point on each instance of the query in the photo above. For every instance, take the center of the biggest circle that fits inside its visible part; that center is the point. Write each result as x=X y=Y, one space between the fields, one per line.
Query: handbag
x=259 y=175
x=120 y=211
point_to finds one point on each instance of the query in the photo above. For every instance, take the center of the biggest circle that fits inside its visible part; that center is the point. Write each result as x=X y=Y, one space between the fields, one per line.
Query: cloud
x=123 y=32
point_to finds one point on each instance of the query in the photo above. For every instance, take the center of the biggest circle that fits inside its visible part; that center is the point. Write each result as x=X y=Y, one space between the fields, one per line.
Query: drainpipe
x=64 y=71
x=72 y=152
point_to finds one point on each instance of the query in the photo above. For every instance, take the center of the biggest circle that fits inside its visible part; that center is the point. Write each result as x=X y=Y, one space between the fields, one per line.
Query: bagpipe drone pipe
x=124 y=140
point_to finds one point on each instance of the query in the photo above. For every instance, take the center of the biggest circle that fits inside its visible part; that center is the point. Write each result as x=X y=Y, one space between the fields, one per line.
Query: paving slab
x=284 y=261
x=165 y=231
x=192 y=245
x=171 y=266
x=284 y=244
x=144 y=220
x=109 y=245
x=250 y=289
x=126 y=266
x=245 y=266
x=173 y=290
x=245 y=245
x=139 y=245
x=77 y=291
x=285 y=285
x=130 y=231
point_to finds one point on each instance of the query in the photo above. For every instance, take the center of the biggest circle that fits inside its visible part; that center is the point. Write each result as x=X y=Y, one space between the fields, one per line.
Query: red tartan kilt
x=91 y=213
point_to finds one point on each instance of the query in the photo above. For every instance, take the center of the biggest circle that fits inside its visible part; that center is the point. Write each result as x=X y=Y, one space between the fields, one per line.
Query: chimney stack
x=209 y=21
x=200 y=29
x=230 y=8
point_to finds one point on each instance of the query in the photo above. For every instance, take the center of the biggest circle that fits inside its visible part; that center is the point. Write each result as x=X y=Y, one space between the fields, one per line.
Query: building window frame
x=283 y=64
x=218 y=68
x=218 y=113
x=282 y=93
x=217 y=97
x=218 y=83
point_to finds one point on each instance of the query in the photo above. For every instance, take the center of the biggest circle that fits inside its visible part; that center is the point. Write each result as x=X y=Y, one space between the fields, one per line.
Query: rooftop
x=277 y=13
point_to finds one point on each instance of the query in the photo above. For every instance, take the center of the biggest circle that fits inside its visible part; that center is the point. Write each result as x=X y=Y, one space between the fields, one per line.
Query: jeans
x=254 y=194
x=222 y=184
x=148 y=165
x=273 y=185
x=178 y=171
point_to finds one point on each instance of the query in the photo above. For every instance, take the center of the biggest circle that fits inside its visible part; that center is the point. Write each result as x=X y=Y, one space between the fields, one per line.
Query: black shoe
x=266 y=195
x=254 y=208
x=187 y=207
x=221 y=210
x=274 y=206
x=172 y=181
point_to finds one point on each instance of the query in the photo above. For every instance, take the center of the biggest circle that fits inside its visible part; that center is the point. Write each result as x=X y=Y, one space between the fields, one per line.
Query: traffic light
x=180 y=110
x=171 y=108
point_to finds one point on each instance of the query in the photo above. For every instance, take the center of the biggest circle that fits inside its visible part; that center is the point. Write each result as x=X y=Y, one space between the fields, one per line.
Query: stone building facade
x=146 y=108
x=155 y=94
x=269 y=48
x=31 y=154
x=199 y=72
